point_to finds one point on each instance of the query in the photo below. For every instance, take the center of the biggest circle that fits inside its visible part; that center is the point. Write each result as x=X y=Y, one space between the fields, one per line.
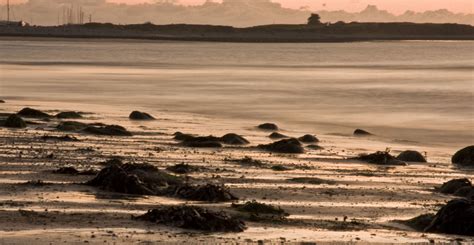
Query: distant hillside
x=338 y=32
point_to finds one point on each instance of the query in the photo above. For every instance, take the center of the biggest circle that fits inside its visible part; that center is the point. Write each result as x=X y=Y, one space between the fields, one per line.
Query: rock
x=66 y=170
x=420 y=223
x=466 y=191
x=68 y=115
x=138 y=179
x=257 y=208
x=361 y=132
x=110 y=130
x=67 y=138
x=308 y=139
x=2 y=101
x=72 y=126
x=456 y=217
x=411 y=156
x=203 y=142
x=276 y=135
x=234 y=139
x=380 y=157
x=182 y=168
x=454 y=185
x=464 y=156
x=187 y=217
x=208 y=192
x=29 y=112
x=182 y=137
x=14 y=121
x=138 y=115
x=284 y=146
x=313 y=181
x=315 y=147
x=268 y=126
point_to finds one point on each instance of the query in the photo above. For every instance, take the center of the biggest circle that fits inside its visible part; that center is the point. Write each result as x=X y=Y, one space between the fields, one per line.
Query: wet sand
x=371 y=196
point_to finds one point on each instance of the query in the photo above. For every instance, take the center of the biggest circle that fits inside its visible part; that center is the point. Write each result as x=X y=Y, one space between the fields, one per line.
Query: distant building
x=13 y=23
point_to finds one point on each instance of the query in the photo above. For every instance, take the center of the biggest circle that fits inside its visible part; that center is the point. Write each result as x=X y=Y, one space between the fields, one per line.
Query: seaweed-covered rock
x=116 y=179
x=361 y=132
x=138 y=115
x=234 y=139
x=284 y=146
x=182 y=168
x=140 y=179
x=456 y=217
x=203 y=142
x=268 y=126
x=380 y=157
x=29 y=112
x=14 y=121
x=110 y=130
x=72 y=126
x=308 y=138
x=208 y=192
x=257 y=208
x=276 y=135
x=195 y=218
x=411 y=156
x=453 y=185
x=464 y=156
x=68 y=115
x=67 y=138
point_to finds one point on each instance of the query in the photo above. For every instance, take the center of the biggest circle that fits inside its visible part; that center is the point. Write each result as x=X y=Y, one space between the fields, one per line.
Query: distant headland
x=313 y=31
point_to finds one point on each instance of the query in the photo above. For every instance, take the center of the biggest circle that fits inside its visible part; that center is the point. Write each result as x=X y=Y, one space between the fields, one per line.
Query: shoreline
x=372 y=196
x=237 y=39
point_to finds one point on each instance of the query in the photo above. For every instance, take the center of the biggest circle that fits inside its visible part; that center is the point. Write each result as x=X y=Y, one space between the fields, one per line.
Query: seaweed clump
x=195 y=218
x=207 y=192
x=380 y=157
x=260 y=210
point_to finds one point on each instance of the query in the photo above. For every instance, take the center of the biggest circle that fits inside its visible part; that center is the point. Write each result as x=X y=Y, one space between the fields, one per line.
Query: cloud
x=227 y=12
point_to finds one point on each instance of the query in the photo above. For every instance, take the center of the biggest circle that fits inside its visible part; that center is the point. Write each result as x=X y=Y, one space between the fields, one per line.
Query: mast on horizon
x=8 y=10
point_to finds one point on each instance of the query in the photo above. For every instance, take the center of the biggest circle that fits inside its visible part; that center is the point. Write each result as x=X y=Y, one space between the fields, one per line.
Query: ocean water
x=420 y=91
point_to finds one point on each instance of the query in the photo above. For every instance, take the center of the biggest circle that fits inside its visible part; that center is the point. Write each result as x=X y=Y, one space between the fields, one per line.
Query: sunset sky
x=394 y=6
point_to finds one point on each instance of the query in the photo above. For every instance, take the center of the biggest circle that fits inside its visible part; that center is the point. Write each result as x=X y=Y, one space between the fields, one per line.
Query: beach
x=409 y=95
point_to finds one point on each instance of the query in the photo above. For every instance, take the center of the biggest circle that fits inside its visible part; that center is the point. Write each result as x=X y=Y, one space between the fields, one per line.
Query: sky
x=394 y=6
